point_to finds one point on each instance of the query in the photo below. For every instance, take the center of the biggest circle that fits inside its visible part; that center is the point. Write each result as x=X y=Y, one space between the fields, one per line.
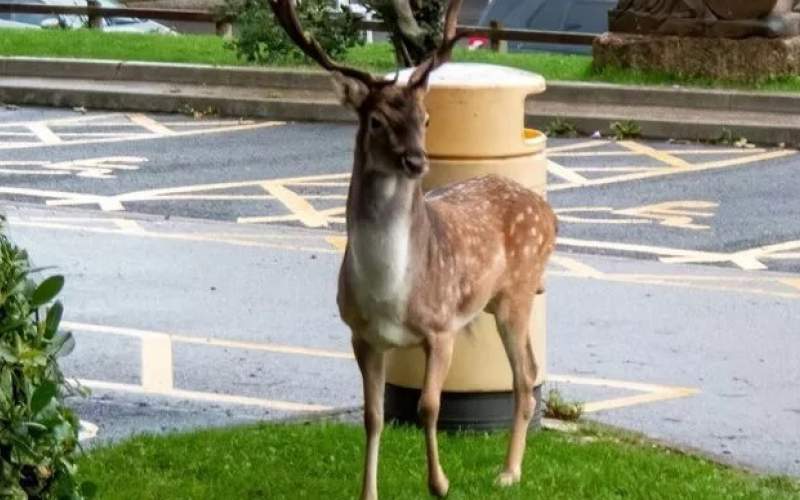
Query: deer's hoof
x=506 y=479
x=439 y=486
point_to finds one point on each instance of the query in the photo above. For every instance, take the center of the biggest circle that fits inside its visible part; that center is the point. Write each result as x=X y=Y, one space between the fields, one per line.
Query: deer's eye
x=427 y=119
x=375 y=123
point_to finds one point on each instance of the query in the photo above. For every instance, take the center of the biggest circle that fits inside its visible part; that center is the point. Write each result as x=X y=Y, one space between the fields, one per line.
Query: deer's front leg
x=438 y=351
x=370 y=362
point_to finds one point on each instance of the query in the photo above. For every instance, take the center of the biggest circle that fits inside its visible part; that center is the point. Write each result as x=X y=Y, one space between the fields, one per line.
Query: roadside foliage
x=38 y=433
x=261 y=40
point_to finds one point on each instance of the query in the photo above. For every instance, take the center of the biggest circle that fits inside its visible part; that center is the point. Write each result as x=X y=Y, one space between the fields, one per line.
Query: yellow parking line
x=209 y=341
x=652 y=392
x=305 y=212
x=792 y=282
x=62 y=121
x=338 y=242
x=254 y=346
x=129 y=225
x=662 y=156
x=698 y=152
x=199 y=237
x=577 y=267
x=156 y=368
x=662 y=172
x=269 y=404
x=579 y=145
x=611 y=169
x=146 y=137
x=639 y=399
x=65 y=198
x=149 y=124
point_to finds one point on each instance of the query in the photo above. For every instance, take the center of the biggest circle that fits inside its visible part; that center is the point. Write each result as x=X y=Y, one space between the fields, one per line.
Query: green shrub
x=261 y=40
x=38 y=434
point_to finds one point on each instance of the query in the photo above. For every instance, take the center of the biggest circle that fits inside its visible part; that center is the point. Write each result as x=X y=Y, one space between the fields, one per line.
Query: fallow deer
x=417 y=269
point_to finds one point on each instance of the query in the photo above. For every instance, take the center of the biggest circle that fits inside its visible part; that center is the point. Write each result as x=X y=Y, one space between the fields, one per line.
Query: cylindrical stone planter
x=477 y=115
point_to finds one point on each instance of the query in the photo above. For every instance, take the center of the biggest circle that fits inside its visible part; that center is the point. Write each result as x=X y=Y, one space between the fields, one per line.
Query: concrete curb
x=303 y=95
x=105 y=70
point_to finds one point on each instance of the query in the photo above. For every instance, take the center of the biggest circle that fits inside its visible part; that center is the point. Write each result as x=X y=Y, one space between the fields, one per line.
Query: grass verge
x=375 y=57
x=278 y=461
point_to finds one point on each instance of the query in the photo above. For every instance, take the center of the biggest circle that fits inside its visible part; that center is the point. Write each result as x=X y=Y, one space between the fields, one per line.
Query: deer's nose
x=415 y=164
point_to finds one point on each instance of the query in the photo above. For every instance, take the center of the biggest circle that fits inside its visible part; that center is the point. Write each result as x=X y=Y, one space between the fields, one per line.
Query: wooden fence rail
x=94 y=12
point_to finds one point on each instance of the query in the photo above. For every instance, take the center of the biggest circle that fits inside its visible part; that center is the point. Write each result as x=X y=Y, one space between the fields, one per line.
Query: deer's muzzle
x=414 y=164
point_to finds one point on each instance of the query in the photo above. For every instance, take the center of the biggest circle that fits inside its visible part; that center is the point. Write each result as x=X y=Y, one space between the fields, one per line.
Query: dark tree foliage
x=260 y=39
x=413 y=39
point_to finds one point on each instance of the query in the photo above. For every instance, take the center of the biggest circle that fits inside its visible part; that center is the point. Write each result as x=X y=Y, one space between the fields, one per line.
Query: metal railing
x=95 y=13
x=495 y=32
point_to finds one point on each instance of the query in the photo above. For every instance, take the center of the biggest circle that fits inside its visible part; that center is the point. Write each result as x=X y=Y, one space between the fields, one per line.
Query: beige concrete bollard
x=477 y=115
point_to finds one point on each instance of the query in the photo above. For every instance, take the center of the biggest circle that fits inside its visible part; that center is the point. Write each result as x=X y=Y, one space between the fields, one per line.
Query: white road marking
x=565 y=173
x=87 y=431
x=155 y=129
x=44 y=134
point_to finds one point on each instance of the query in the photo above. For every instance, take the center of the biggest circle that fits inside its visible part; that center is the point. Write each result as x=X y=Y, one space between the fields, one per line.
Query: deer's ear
x=351 y=92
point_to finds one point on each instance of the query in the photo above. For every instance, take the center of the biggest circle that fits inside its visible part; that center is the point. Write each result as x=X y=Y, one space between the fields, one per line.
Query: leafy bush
x=261 y=40
x=38 y=434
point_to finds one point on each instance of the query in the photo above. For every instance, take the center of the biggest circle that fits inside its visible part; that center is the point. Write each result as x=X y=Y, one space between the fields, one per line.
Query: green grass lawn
x=376 y=57
x=324 y=461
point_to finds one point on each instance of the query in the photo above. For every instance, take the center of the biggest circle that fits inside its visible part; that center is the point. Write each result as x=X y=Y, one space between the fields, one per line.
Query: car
x=4 y=23
x=583 y=16
x=127 y=24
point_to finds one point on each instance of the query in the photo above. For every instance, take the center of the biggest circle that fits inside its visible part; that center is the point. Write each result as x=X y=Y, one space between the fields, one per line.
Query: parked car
x=584 y=16
x=130 y=24
x=4 y=23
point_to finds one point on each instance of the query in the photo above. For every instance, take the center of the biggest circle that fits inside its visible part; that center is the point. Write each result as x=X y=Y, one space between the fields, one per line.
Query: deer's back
x=488 y=235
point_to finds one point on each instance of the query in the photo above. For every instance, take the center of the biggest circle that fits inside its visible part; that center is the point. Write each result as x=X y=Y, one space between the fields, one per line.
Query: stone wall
x=749 y=59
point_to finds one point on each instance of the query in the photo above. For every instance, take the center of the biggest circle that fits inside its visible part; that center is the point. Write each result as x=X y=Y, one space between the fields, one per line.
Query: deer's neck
x=387 y=224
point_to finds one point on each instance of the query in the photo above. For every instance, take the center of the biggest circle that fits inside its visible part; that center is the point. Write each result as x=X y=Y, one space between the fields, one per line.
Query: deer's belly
x=386 y=333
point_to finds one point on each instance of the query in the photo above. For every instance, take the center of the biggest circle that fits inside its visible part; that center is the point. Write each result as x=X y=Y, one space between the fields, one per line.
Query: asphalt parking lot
x=674 y=202
x=201 y=258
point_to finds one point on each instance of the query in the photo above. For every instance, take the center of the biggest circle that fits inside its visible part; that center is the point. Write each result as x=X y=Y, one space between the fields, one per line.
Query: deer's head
x=392 y=118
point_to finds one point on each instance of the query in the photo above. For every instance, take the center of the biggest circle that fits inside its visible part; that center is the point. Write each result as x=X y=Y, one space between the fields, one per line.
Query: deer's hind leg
x=512 y=315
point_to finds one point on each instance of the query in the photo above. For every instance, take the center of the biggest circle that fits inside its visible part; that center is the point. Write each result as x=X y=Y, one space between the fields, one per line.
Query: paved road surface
x=201 y=259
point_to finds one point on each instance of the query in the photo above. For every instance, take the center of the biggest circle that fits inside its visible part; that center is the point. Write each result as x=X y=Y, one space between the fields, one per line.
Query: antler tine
x=287 y=17
x=450 y=37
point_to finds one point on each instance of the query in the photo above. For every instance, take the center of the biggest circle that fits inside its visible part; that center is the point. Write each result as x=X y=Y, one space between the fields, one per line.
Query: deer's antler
x=450 y=37
x=287 y=17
